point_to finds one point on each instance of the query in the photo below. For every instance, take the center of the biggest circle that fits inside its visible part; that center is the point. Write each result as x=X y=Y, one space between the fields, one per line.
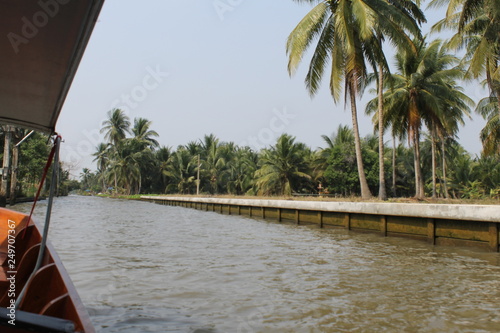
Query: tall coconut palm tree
x=412 y=11
x=389 y=121
x=348 y=32
x=116 y=126
x=424 y=92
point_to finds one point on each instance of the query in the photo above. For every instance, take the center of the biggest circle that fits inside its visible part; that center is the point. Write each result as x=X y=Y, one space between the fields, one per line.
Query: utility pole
x=198 y=178
x=6 y=164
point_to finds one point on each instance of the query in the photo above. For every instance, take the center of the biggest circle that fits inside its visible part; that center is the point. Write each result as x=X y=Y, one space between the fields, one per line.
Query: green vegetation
x=136 y=164
x=419 y=99
x=32 y=157
x=350 y=34
x=424 y=92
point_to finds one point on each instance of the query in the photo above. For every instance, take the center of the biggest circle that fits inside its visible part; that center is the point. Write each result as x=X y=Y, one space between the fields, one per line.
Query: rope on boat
x=54 y=155
x=42 y=181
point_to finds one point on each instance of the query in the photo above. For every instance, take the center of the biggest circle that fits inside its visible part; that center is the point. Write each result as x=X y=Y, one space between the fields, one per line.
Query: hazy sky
x=201 y=67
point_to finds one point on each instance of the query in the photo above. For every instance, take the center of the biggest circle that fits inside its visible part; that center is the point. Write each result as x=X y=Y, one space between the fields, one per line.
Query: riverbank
x=445 y=224
x=438 y=201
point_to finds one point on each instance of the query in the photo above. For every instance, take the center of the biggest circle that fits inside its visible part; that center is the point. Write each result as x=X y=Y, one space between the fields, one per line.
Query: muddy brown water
x=141 y=267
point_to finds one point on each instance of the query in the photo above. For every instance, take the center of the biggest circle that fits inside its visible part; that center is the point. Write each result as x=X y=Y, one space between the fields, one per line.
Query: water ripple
x=141 y=267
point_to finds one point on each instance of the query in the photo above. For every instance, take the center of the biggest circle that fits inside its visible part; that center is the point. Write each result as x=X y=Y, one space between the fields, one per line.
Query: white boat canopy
x=41 y=45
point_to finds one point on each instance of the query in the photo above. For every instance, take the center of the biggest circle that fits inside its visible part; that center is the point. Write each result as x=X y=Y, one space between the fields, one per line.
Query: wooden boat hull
x=51 y=303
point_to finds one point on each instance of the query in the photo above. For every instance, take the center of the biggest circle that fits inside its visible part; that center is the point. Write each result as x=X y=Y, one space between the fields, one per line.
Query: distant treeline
x=132 y=162
x=419 y=100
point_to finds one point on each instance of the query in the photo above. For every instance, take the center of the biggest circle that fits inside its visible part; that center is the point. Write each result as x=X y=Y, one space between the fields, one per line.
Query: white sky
x=194 y=69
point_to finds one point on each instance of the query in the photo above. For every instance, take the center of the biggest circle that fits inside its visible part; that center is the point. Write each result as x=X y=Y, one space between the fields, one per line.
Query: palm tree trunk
x=394 y=166
x=433 y=156
x=382 y=194
x=419 y=182
x=140 y=184
x=445 y=186
x=365 y=190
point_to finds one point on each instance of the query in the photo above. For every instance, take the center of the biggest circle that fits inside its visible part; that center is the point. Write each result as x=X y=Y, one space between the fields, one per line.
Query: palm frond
x=304 y=33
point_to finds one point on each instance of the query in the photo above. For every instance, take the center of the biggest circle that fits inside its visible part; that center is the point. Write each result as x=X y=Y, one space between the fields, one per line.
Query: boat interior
x=50 y=302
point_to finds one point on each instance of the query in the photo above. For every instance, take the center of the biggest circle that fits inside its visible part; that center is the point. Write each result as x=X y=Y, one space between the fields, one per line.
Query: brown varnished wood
x=47 y=295
x=19 y=219
x=51 y=291
x=24 y=270
x=45 y=286
x=25 y=238
x=60 y=306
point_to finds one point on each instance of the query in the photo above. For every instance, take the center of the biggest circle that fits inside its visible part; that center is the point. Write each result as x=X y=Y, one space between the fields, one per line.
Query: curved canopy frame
x=41 y=45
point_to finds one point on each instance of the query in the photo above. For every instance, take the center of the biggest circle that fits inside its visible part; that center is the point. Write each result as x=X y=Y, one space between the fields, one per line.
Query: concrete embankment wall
x=440 y=224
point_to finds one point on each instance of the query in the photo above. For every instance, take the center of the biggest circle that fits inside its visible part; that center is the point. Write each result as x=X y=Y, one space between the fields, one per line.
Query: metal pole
x=53 y=185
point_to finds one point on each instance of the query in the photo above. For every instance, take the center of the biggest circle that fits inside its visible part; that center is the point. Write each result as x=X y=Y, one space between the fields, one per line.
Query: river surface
x=141 y=267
